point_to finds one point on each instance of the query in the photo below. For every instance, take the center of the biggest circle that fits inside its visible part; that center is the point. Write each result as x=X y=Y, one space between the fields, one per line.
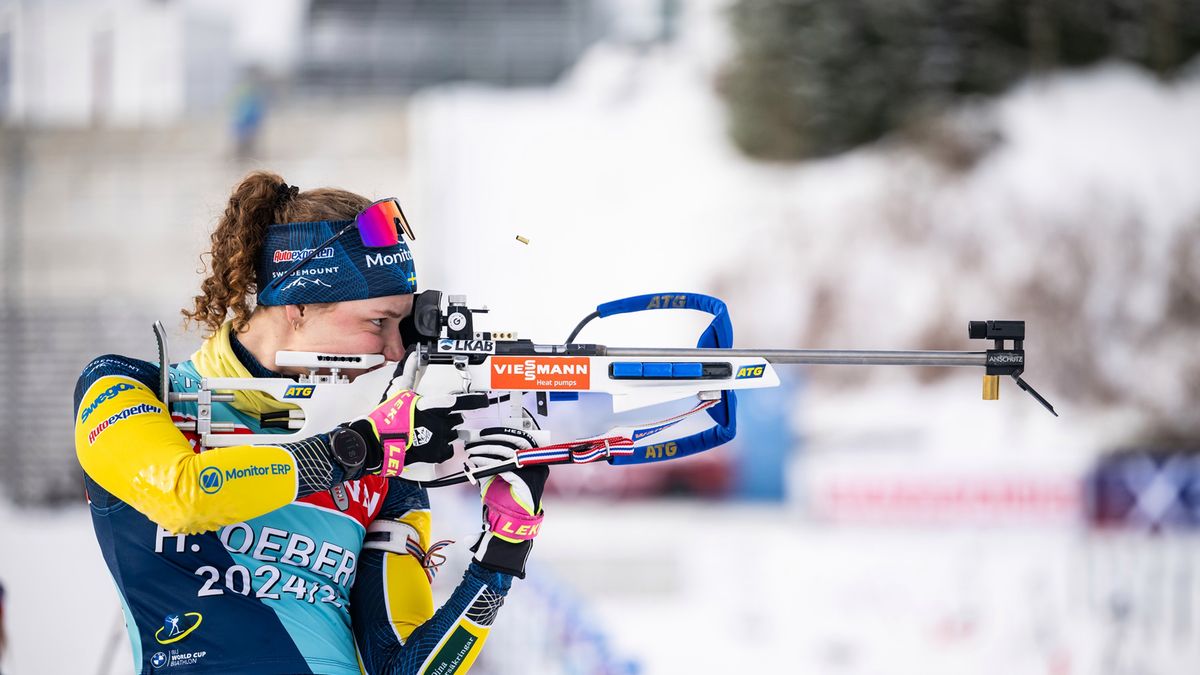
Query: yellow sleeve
x=126 y=442
x=395 y=626
x=408 y=595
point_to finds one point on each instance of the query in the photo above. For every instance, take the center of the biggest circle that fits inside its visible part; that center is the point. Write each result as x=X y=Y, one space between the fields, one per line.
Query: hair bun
x=284 y=193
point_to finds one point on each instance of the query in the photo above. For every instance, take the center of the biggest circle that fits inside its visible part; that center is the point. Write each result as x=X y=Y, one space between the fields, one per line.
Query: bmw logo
x=211 y=480
x=158 y=660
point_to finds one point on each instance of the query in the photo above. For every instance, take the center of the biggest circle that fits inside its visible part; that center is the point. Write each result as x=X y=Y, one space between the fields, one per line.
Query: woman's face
x=369 y=326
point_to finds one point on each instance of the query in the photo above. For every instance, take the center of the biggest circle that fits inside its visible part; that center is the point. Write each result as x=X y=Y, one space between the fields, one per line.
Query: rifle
x=453 y=357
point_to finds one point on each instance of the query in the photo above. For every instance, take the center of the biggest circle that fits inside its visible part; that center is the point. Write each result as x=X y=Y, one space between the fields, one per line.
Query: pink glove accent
x=506 y=517
x=393 y=424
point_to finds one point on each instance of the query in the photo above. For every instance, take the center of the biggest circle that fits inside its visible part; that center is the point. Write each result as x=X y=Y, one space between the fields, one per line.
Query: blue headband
x=343 y=270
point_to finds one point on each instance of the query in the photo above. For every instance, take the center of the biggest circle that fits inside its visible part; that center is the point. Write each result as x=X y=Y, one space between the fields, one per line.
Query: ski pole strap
x=718 y=334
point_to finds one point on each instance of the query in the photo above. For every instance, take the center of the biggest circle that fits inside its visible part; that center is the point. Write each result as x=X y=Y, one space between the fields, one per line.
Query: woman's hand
x=406 y=428
x=512 y=501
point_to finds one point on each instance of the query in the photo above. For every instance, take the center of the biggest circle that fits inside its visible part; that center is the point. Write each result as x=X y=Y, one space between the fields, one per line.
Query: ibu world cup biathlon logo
x=211 y=480
x=176 y=627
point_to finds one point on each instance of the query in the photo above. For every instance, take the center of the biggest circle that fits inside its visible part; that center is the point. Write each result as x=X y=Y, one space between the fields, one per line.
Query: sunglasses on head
x=379 y=225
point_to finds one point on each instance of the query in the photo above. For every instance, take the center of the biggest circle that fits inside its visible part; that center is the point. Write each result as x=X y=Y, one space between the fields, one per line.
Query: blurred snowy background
x=849 y=175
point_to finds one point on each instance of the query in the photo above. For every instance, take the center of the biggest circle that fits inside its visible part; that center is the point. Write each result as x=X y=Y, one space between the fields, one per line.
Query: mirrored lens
x=377 y=224
x=382 y=219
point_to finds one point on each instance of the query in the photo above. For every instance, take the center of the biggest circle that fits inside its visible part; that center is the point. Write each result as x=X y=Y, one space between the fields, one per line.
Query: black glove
x=434 y=421
x=433 y=434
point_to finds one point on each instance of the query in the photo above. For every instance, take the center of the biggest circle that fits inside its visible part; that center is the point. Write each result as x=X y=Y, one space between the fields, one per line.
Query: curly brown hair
x=256 y=203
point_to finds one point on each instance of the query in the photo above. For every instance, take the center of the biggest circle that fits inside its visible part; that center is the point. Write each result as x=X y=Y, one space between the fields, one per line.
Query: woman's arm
x=126 y=441
x=395 y=626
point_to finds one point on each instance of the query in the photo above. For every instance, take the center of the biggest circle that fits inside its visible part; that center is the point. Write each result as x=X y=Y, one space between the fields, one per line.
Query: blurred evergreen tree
x=817 y=77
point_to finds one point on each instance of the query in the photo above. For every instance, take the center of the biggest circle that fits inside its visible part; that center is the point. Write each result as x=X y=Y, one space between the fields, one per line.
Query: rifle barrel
x=838 y=357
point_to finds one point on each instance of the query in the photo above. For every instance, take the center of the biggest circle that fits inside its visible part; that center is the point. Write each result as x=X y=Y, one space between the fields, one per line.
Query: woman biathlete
x=297 y=557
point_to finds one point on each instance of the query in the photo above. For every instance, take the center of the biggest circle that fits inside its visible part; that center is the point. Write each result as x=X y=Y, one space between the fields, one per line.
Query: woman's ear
x=295 y=315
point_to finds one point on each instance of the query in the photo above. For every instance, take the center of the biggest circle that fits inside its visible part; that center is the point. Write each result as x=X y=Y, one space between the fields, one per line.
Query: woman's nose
x=393 y=346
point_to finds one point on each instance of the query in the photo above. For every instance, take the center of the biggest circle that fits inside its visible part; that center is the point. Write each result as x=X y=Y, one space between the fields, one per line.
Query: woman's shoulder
x=115 y=365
